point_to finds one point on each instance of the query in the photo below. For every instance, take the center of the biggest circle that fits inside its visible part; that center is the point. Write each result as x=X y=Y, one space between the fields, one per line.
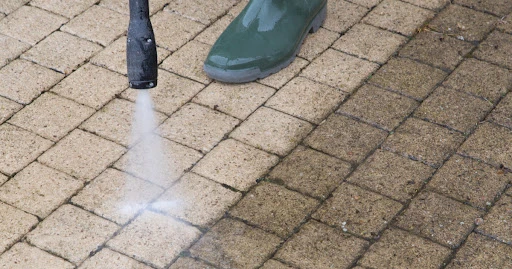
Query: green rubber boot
x=263 y=39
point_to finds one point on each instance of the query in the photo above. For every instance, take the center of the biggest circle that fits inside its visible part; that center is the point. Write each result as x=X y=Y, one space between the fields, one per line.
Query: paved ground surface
x=386 y=144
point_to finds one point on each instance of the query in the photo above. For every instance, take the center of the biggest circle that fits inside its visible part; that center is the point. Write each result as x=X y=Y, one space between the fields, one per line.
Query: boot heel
x=318 y=20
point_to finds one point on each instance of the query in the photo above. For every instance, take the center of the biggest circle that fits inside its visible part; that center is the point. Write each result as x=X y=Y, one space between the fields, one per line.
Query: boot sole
x=248 y=75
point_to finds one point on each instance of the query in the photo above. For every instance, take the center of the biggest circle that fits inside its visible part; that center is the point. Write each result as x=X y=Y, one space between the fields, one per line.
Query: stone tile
x=306 y=99
x=274 y=208
x=107 y=258
x=8 y=108
x=310 y=172
x=366 y=3
x=71 y=233
x=202 y=11
x=319 y=246
x=234 y=11
x=505 y=24
x=378 y=107
x=9 y=6
x=282 y=77
x=436 y=49
x=82 y=155
x=237 y=100
x=197 y=200
x=430 y=4
x=481 y=79
x=115 y=121
x=341 y=15
x=123 y=6
x=370 y=43
x=345 y=138
x=12 y=49
x=454 y=109
x=23 y=81
x=189 y=263
x=470 y=181
x=65 y=8
x=490 y=143
x=24 y=256
x=442 y=219
x=502 y=114
x=235 y=164
x=15 y=224
x=39 y=190
x=464 y=23
x=3 y=179
x=18 y=148
x=197 y=127
x=62 y=52
x=188 y=61
x=496 y=49
x=116 y=196
x=273 y=264
x=408 y=77
x=51 y=116
x=98 y=24
x=498 y=7
x=392 y=175
x=30 y=24
x=233 y=244
x=424 y=141
x=316 y=43
x=497 y=222
x=398 y=17
x=155 y=239
x=212 y=33
x=339 y=70
x=272 y=131
x=173 y=31
x=482 y=252
x=358 y=211
x=399 y=249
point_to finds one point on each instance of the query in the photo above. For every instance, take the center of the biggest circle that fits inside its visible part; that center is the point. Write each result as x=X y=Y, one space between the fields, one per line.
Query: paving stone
x=98 y=24
x=116 y=196
x=8 y=108
x=424 y=141
x=496 y=49
x=233 y=244
x=9 y=6
x=306 y=99
x=408 y=77
x=310 y=172
x=282 y=77
x=482 y=252
x=341 y=15
x=272 y=131
x=234 y=11
x=316 y=43
x=237 y=100
x=434 y=216
x=23 y=81
x=197 y=200
x=339 y=70
x=505 y=24
x=399 y=249
x=82 y=155
x=3 y=179
x=502 y=114
x=65 y=8
x=274 y=208
x=51 y=116
x=498 y=7
x=454 y=109
x=378 y=107
x=12 y=49
x=107 y=258
x=188 y=61
x=15 y=224
x=62 y=52
x=398 y=17
x=71 y=233
x=202 y=11
x=430 y=4
x=235 y=164
x=273 y=264
x=497 y=222
x=173 y=31
x=319 y=246
x=30 y=24
x=436 y=49
x=345 y=138
x=212 y=33
x=392 y=175
x=18 y=148
x=115 y=121
x=123 y=6
x=24 y=256
x=358 y=211
x=490 y=143
x=189 y=263
x=38 y=189
x=366 y=3
x=470 y=181
x=197 y=127
x=481 y=79
x=370 y=43
x=464 y=23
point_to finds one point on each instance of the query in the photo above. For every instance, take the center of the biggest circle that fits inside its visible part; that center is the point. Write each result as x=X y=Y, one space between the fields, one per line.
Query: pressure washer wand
x=141 y=47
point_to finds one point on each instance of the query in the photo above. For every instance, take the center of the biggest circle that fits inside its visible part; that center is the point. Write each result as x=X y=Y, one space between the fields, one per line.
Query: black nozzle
x=141 y=47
